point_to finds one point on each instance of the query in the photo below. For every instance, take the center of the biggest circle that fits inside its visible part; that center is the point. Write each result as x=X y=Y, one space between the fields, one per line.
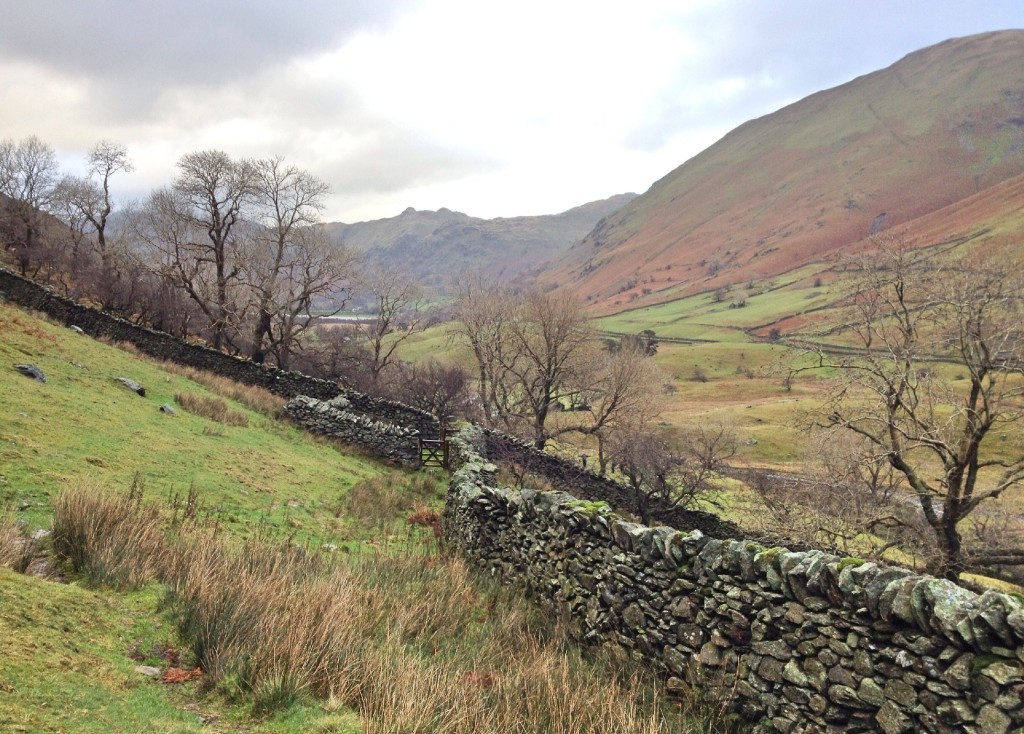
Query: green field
x=411 y=631
x=84 y=426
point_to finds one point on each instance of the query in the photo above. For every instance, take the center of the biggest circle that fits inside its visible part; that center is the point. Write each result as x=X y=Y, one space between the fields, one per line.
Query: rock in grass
x=30 y=370
x=167 y=408
x=133 y=386
x=147 y=670
x=76 y=329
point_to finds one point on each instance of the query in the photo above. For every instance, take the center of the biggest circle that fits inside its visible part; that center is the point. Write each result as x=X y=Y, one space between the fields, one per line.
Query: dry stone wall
x=335 y=418
x=803 y=641
x=585 y=484
x=159 y=345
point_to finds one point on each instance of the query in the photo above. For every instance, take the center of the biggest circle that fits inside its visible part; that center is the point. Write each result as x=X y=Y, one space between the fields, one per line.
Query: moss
x=982 y=661
x=769 y=557
x=850 y=562
x=591 y=509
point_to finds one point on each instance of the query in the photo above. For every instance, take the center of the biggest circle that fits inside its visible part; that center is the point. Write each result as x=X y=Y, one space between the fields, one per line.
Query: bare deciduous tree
x=399 y=313
x=537 y=349
x=195 y=226
x=480 y=314
x=28 y=176
x=290 y=263
x=85 y=204
x=440 y=389
x=910 y=311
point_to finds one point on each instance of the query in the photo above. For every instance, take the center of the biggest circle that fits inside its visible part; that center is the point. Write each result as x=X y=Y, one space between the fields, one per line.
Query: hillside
x=906 y=147
x=265 y=581
x=435 y=246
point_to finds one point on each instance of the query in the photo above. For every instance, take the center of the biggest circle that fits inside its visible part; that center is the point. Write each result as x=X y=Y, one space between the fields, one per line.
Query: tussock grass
x=413 y=641
x=214 y=408
x=378 y=501
x=14 y=546
x=111 y=539
x=256 y=398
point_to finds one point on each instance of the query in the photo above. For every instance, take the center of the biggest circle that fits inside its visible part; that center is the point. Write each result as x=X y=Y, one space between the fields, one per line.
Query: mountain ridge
x=433 y=246
x=815 y=177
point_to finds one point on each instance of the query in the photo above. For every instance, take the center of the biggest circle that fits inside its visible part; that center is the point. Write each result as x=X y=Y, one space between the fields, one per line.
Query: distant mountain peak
x=434 y=246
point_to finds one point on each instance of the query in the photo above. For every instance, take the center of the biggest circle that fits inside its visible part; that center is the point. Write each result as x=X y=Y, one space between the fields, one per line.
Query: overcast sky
x=487 y=107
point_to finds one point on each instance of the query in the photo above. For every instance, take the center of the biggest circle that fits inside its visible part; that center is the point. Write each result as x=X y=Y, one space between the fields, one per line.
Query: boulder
x=30 y=370
x=133 y=386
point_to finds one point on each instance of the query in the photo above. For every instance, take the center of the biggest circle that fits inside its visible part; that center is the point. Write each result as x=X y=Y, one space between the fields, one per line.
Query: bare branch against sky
x=494 y=109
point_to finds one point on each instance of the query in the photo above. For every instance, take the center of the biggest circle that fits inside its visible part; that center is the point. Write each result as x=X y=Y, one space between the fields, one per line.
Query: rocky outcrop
x=802 y=641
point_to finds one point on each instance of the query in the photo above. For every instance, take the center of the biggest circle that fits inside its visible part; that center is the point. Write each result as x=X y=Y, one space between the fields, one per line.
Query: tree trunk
x=951 y=561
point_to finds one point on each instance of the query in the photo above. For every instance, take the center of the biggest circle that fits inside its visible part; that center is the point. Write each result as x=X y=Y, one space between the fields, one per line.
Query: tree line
x=230 y=252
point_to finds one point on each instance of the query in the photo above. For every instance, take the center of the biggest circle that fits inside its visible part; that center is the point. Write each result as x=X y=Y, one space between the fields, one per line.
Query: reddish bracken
x=179 y=675
x=427 y=518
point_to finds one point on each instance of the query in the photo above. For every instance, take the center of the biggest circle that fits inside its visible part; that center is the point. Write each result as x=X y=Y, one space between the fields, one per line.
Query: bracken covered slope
x=932 y=145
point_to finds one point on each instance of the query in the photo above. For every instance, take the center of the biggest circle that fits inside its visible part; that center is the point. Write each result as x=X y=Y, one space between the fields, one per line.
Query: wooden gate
x=435 y=452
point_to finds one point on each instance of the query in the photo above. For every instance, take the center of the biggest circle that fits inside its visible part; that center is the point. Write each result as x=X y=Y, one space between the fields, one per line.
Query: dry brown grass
x=378 y=502
x=12 y=541
x=214 y=408
x=413 y=642
x=112 y=539
x=256 y=398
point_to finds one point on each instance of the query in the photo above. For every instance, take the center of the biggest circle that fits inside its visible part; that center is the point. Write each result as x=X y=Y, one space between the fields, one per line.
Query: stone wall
x=585 y=484
x=159 y=345
x=335 y=418
x=803 y=641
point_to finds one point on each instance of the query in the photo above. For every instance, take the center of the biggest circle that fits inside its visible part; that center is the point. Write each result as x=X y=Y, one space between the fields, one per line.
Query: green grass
x=68 y=665
x=419 y=643
x=700 y=316
x=84 y=425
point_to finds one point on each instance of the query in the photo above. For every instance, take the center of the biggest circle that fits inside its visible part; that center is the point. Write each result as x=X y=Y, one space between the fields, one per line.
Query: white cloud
x=490 y=108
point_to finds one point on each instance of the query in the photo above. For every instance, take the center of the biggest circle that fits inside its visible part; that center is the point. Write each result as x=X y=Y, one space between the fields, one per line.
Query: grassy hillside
x=931 y=145
x=246 y=633
x=83 y=425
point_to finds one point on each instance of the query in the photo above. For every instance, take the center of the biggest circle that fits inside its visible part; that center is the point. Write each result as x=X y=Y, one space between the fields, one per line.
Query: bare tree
x=643 y=455
x=531 y=350
x=909 y=313
x=620 y=391
x=535 y=350
x=291 y=265
x=481 y=312
x=195 y=228
x=28 y=176
x=85 y=204
x=92 y=196
x=399 y=311
x=851 y=504
x=313 y=272
x=667 y=475
x=441 y=389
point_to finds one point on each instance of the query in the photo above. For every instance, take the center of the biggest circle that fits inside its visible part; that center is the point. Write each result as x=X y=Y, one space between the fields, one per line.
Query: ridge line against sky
x=492 y=109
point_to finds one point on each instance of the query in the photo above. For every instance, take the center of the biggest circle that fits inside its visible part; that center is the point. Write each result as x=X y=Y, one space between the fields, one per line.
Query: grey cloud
x=129 y=52
x=205 y=40
x=397 y=160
